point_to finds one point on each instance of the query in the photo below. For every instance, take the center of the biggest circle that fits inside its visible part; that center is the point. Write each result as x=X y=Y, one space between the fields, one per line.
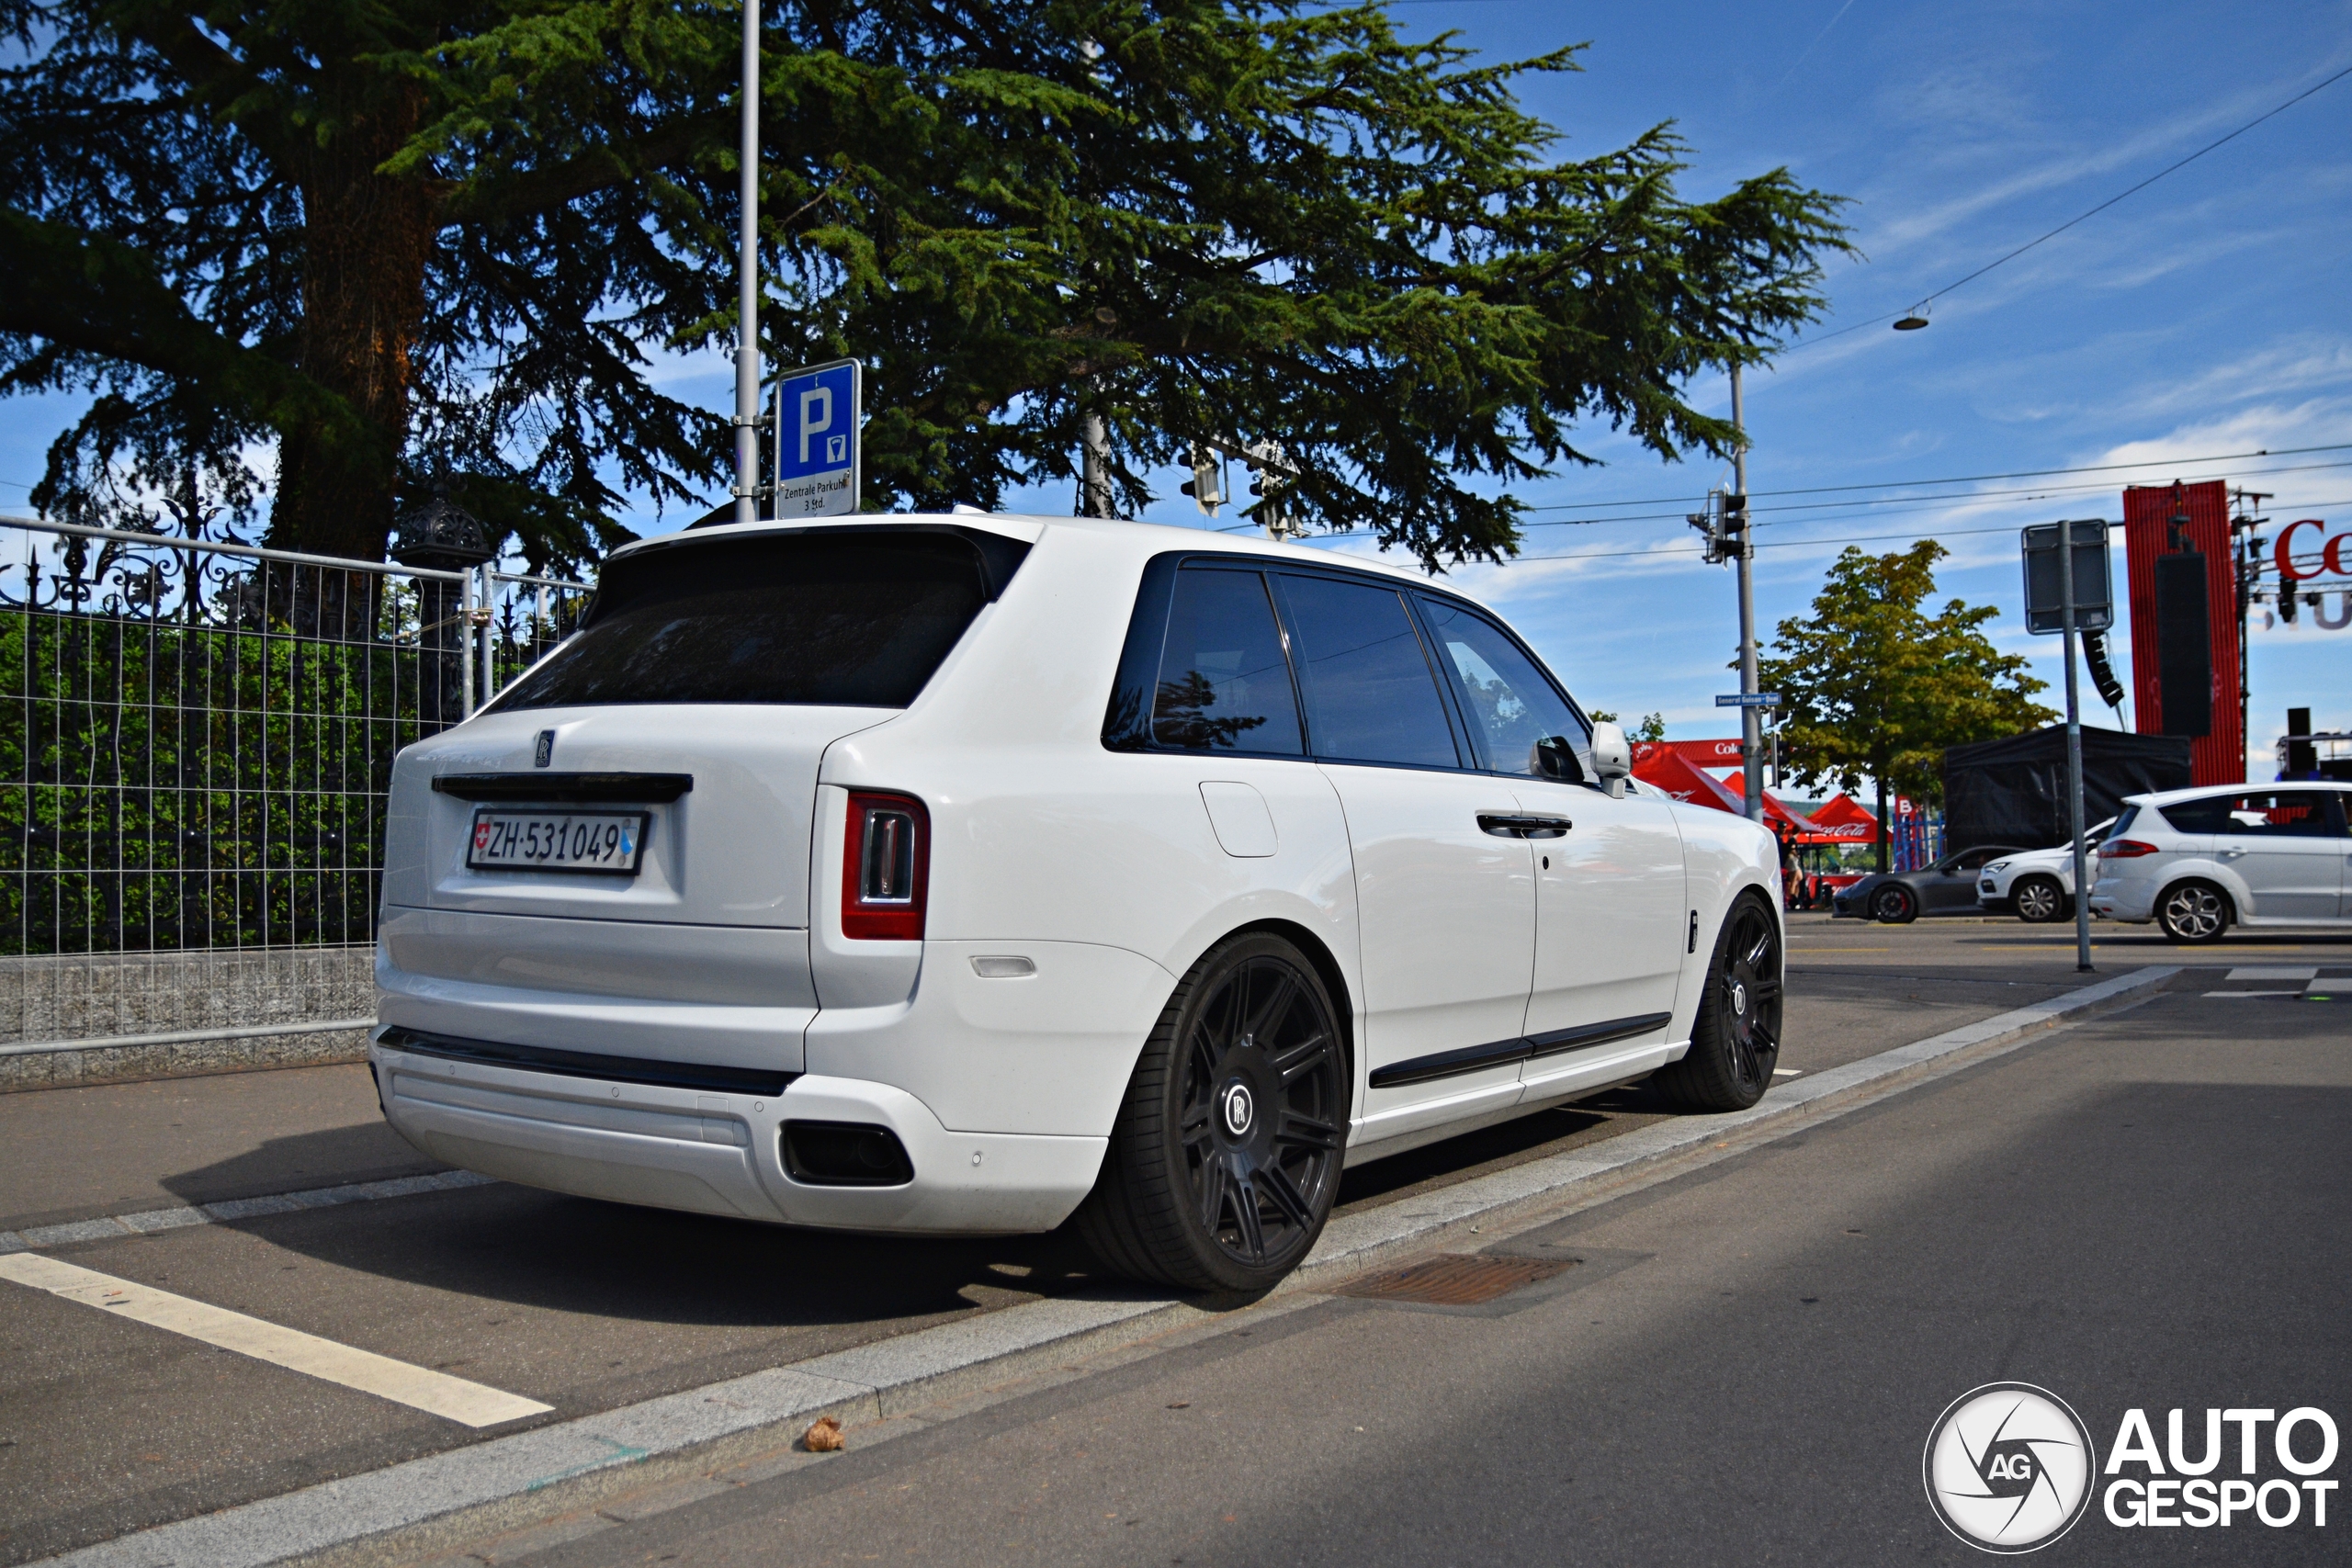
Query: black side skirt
x=588 y=1064
x=1551 y=1043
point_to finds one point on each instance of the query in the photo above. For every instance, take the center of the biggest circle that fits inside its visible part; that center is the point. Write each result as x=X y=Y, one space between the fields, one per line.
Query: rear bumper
x=720 y=1153
x=2131 y=904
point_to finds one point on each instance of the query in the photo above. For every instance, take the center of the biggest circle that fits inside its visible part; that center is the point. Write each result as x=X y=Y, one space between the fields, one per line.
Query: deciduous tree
x=1874 y=686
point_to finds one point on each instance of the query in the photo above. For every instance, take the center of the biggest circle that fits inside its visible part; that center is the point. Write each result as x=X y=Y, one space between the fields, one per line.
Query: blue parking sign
x=818 y=412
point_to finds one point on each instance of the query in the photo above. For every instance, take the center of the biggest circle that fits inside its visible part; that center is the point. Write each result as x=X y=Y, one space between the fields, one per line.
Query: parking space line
x=2300 y=972
x=436 y=1393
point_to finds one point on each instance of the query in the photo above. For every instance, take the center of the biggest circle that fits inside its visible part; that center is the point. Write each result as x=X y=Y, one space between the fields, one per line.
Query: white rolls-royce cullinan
x=974 y=873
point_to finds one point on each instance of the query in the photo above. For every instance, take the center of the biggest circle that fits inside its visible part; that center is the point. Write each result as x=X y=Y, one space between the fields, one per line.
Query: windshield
x=852 y=620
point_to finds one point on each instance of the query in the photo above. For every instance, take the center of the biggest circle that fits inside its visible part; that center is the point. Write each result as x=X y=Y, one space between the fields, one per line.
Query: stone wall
x=101 y=996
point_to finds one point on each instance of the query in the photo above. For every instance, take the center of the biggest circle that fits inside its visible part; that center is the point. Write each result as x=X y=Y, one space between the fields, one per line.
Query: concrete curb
x=493 y=1484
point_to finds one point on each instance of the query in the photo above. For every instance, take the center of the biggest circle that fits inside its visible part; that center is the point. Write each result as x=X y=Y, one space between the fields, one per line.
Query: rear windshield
x=834 y=620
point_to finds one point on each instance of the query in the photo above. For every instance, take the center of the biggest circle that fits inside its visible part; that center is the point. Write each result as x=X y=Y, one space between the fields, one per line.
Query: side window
x=1521 y=719
x=1224 y=683
x=2291 y=813
x=1371 y=696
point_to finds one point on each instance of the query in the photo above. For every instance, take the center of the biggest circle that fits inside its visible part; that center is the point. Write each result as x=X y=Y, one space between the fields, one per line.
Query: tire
x=1225 y=1156
x=1735 y=1039
x=2193 y=912
x=1895 y=904
x=2040 y=899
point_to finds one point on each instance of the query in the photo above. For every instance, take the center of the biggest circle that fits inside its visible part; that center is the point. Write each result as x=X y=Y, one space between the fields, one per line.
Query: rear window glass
x=1223 y=680
x=1371 y=696
x=2288 y=814
x=851 y=621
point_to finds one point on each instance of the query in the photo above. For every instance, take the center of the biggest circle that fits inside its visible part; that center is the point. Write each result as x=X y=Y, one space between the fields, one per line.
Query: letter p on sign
x=816 y=418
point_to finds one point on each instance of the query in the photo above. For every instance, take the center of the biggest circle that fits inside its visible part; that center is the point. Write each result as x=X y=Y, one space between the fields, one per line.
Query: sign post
x=819 y=415
x=2075 y=555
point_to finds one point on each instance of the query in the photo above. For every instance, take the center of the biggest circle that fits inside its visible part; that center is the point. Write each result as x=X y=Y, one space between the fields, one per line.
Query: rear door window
x=2262 y=814
x=850 y=619
x=1225 y=682
x=1517 y=716
x=1371 y=694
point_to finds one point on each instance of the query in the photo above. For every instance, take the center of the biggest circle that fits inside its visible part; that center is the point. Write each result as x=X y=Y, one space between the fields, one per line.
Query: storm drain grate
x=1454 y=1280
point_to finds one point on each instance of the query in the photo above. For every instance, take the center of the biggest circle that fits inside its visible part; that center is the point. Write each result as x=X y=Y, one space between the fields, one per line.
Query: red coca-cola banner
x=2217 y=754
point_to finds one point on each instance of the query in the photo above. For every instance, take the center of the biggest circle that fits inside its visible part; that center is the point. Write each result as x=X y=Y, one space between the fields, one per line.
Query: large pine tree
x=414 y=243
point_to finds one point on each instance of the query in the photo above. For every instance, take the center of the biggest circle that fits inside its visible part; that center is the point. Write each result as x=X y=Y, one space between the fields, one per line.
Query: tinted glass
x=1519 y=716
x=858 y=621
x=1370 y=695
x=1224 y=684
x=2123 y=820
x=2264 y=814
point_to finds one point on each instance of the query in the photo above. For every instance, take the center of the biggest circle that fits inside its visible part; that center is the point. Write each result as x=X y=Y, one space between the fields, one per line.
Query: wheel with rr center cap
x=1735 y=1039
x=1225 y=1156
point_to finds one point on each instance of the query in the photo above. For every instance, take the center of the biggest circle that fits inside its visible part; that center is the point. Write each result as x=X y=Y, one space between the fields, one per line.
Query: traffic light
x=1735 y=545
x=1724 y=526
x=2110 y=690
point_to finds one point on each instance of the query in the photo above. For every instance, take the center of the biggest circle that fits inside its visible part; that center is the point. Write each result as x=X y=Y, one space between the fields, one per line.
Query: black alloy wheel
x=1226 y=1158
x=2194 y=912
x=1735 y=1039
x=2039 y=900
x=1895 y=904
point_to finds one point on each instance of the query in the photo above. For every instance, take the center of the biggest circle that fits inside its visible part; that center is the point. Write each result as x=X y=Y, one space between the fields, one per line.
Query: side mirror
x=1613 y=757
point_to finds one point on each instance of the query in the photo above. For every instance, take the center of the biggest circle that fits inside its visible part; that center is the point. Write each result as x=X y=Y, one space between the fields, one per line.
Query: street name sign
x=819 y=413
x=1749 y=700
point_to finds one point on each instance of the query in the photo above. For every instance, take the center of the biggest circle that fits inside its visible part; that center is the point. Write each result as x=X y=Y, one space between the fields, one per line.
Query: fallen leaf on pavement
x=824 y=1436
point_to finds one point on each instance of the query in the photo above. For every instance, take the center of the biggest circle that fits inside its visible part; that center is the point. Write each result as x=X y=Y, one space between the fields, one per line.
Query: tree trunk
x=366 y=240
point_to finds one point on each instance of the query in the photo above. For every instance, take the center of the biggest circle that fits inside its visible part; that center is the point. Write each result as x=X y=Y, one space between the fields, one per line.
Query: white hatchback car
x=2199 y=860
x=2036 y=885
x=954 y=874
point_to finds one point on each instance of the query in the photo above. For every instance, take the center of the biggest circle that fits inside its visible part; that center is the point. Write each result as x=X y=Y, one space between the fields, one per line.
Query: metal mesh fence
x=197 y=737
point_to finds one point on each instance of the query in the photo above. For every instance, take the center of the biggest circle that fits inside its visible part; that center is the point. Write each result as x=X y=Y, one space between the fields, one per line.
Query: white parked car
x=2035 y=885
x=956 y=875
x=2199 y=860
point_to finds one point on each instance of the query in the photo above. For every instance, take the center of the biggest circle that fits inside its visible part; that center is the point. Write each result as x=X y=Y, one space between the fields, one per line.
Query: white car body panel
x=2269 y=881
x=1107 y=874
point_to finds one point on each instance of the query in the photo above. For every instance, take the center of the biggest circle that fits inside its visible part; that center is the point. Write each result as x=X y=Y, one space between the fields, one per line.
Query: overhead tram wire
x=2110 y=201
x=1969 y=478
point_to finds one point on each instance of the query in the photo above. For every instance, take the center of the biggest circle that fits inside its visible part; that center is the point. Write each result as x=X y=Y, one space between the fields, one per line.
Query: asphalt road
x=107 y=1426
x=2147 y=1211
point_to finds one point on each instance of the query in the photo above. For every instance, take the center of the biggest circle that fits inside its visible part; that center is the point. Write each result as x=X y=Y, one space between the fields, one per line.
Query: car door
x=1609 y=910
x=1951 y=885
x=1445 y=893
x=2288 y=847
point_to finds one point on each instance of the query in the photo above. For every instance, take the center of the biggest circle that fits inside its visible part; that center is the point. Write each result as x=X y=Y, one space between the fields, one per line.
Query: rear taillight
x=2125 y=849
x=886 y=869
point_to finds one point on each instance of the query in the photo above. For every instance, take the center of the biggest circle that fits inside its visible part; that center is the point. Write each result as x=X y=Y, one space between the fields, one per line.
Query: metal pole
x=747 y=270
x=1750 y=725
x=466 y=641
x=2075 y=753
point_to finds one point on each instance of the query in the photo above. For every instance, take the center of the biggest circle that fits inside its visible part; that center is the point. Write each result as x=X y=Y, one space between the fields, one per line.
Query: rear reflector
x=886 y=868
x=2124 y=848
x=845 y=1153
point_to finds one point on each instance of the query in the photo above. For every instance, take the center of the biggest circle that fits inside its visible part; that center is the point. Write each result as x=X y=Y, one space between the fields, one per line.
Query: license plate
x=610 y=843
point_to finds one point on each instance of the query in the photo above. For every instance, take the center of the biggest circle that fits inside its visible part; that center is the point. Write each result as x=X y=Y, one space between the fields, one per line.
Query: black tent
x=2013 y=791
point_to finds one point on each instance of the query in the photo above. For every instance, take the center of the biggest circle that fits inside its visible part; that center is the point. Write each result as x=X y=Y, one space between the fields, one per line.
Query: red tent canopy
x=1838 y=820
x=1660 y=763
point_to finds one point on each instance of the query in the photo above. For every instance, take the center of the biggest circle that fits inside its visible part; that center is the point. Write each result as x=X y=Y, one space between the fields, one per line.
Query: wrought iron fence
x=199 y=735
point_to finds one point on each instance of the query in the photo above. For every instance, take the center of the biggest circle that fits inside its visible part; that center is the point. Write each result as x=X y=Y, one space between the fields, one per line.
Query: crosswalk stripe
x=438 y=1393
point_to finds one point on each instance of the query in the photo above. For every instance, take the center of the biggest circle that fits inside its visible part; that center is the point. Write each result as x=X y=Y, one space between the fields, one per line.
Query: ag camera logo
x=2009 y=1467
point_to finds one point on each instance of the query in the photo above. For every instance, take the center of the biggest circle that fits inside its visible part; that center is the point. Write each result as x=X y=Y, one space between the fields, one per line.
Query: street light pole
x=2074 y=752
x=747 y=269
x=1751 y=738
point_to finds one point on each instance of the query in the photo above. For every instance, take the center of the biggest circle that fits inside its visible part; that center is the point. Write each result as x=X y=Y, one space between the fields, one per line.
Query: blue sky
x=2207 y=315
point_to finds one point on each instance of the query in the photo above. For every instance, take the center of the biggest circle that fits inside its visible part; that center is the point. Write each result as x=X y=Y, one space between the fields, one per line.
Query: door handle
x=1522 y=825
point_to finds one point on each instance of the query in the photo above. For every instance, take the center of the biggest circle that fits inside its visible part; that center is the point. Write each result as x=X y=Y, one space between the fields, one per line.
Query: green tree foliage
x=439 y=239
x=1872 y=686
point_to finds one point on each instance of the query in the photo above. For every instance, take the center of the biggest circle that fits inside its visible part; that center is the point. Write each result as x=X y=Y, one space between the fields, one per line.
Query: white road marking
x=2254 y=993
x=436 y=1393
x=2326 y=987
x=1787 y=1072
x=2307 y=971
